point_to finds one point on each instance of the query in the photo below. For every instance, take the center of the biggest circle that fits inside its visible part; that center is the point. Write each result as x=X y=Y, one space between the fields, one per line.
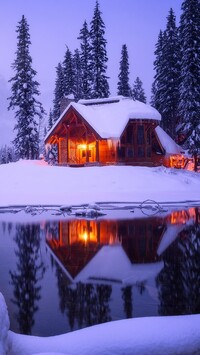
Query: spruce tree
x=28 y=111
x=138 y=91
x=160 y=78
x=171 y=76
x=77 y=75
x=51 y=120
x=123 y=83
x=68 y=73
x=158 y=65
x=100 y=86
x=190 y=75
x=59 y=92
x=85 y=55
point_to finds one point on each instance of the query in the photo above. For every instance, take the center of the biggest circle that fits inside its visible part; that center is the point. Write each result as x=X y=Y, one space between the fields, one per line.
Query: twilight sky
x=54 y=24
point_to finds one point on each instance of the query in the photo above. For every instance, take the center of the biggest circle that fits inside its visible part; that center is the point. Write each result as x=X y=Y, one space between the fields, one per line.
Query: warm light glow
x=182 y=217
x=177 y=161
x=82 y=146
x=85 y=237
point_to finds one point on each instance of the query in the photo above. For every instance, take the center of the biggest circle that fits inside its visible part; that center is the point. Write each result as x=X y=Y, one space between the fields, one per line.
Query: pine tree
x=85 y=55
x=171 y=77
x=28 y=111
x=68 y=73
x=100 y=87
x=158 y=65
x=51 y=120
x=190 y=75
x=123 y=83
x=58 y=92
x=3 y=155
x=165 y=88
x=138 y=91
x=77 y=76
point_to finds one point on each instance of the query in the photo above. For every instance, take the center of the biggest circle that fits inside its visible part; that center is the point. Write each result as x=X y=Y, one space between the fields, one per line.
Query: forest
x=83 y=74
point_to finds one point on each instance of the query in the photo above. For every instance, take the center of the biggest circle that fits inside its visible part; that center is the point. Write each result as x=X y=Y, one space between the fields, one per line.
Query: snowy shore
x=28 y=183
x=36 y=183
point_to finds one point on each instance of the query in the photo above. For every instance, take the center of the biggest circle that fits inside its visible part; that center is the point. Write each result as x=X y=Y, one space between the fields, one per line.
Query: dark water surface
x=61 y=275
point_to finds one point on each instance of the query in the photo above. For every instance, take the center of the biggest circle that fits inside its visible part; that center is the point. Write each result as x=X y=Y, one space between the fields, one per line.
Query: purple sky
x=54 y=24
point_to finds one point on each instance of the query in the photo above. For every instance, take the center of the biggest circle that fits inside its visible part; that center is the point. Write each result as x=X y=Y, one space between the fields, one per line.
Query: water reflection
x=93 y=271
x=85 y=304
x=25 y=278
x=128 y=302
x=179 y=280
x=76 y=242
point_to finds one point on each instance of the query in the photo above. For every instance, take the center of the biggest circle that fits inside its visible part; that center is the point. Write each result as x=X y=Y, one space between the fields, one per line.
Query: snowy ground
x=34 y=183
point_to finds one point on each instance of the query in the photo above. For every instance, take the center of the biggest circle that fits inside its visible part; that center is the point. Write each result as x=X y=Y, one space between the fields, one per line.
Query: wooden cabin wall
x=107 y=152
x=139 y=144
x=128 y=150
x=62 y=151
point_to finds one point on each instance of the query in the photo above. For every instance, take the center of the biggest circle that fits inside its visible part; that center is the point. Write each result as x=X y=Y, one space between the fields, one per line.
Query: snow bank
x=140 y=336
x=27 y=183
x=4 y=325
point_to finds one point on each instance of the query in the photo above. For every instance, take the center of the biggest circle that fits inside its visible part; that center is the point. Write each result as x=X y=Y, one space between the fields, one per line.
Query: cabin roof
x=108 y=117
x=167 y=142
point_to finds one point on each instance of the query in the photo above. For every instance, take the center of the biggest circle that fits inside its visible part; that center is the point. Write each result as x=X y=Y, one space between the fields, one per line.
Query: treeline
x=175 y=90
x=83 y=73
x=176 y=86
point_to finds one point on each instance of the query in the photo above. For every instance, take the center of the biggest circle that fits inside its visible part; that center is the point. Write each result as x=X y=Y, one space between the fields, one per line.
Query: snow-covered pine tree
x=28 y=111
x=77 y=76
x=190 y=75
x=58 y=92
x=7 y=154
x=100 y=86
x=51 y=120
x=123 y=83
x=162 y=88
x=85 y=55
x=158 y=68
x=138 y=91
x=171 y=76
x=68 y=73
x=3 y=155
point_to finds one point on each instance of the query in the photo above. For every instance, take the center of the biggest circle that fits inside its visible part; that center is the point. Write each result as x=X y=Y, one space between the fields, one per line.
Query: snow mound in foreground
x=138 y=336
x=4 y=325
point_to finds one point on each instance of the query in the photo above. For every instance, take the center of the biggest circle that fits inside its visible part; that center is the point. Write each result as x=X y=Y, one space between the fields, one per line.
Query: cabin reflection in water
x=75 y=242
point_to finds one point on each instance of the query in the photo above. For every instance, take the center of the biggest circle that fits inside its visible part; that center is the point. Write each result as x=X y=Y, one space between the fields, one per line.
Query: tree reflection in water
x=29 y=271
x=179 y=281
x=87 y=304
x=128 y=303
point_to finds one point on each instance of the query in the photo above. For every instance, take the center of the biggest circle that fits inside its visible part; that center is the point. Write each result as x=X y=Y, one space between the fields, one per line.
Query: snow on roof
x=109 y=116
x=167 y=142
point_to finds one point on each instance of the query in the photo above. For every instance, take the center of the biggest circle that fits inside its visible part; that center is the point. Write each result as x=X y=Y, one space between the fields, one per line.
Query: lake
x=61 y=272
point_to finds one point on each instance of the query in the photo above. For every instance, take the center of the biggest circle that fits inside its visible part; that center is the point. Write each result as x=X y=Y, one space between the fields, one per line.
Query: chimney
x=65 y=101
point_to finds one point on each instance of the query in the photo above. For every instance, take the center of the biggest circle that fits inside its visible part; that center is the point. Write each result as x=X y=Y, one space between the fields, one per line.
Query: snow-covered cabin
x=115 y=130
